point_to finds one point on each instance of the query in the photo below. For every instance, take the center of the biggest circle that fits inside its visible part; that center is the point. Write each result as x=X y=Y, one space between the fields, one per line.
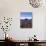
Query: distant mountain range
x=26 y=18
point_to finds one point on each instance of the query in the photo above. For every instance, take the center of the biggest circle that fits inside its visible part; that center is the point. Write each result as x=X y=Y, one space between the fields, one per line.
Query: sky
x=26 y=14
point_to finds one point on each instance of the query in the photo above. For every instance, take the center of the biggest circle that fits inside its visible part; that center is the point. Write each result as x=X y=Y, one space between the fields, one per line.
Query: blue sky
x=26 y=14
